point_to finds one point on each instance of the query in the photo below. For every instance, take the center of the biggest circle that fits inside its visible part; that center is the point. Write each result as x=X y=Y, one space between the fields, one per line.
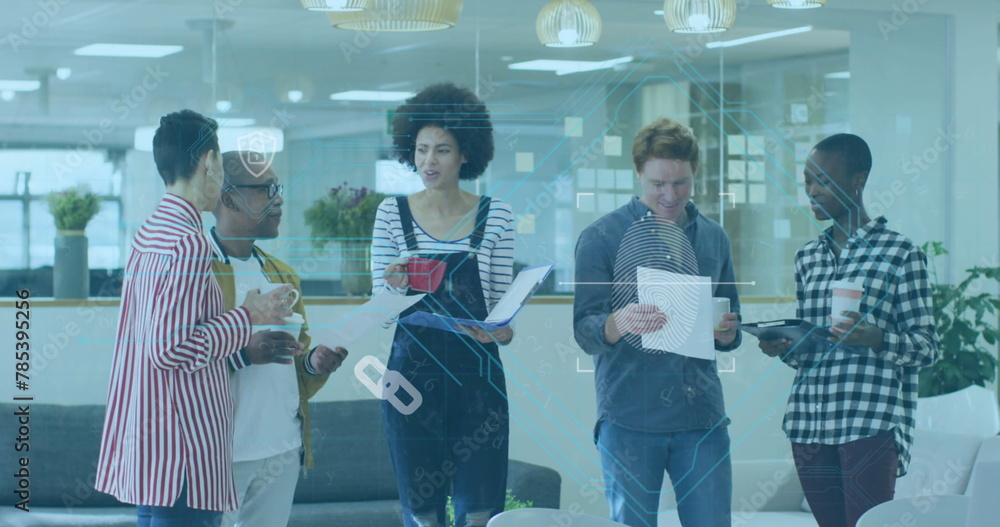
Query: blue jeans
x=180 y=515
x=698 y=464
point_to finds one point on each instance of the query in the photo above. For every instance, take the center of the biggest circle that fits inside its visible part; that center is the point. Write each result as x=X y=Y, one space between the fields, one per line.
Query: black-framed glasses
x=273 y=189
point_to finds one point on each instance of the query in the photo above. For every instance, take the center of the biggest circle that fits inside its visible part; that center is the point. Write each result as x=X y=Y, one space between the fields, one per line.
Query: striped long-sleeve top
x=169 y=413
x=495 y=254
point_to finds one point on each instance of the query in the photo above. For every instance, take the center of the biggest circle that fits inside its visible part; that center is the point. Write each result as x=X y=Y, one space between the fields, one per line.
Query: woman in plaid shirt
x=850 y=413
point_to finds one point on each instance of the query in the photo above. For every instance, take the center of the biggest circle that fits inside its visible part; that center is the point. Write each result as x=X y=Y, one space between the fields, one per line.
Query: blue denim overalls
x=456 y=439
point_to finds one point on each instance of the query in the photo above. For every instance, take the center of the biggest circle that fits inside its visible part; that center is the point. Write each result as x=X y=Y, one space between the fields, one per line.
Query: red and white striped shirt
x=169 y=411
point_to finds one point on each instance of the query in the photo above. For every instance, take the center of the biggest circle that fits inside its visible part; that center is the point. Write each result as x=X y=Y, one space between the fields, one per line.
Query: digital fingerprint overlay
x=657 y=243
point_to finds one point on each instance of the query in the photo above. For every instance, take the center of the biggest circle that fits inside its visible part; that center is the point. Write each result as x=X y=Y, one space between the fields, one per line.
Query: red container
x=425 y=275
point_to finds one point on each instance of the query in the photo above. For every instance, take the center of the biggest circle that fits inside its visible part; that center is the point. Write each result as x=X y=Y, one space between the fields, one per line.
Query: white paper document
x=687 y=302
x=370 y=316
x=518 y=293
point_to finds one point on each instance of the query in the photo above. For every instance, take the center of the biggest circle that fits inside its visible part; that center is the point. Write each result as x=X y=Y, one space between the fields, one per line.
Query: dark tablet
x=791 y=329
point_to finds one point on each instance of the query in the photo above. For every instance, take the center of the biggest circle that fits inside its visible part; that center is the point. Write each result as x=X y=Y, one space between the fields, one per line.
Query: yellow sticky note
x=526 y=224
x=612 y=145
x=574 y=127
x=524 y=161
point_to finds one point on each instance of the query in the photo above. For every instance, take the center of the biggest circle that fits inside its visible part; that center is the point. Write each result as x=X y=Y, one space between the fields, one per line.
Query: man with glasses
x=270 y=390
x=167 y=438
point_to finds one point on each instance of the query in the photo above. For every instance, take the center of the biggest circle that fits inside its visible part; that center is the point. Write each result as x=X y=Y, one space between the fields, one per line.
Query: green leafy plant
x=510 y=504
x=73 y=208
x=962 y=318
x=343 y=214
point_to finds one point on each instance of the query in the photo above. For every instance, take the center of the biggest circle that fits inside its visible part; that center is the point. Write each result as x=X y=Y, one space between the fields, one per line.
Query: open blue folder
x=520 y=291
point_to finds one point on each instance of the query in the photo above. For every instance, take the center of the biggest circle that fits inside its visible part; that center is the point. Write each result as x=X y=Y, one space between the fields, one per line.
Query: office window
x=751 y=155
x=27 y=176
x=12 y=239
x=751 y=174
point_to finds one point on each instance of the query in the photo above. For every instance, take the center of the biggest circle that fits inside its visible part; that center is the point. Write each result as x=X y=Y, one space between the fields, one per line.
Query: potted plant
x=963 y=318
x=72 y=210
x=347 y=215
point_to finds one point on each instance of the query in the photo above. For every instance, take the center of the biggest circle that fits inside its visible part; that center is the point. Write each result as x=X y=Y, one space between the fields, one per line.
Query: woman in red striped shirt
x=167 y=436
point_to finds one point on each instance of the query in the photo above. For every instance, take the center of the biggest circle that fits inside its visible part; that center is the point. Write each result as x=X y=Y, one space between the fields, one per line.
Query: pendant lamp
x=699 y=16
x=334 y=5
x=400 y=15
x=568 y=24
x=796 y=4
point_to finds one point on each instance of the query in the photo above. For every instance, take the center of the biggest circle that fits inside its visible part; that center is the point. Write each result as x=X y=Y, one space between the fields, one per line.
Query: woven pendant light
x=797 y=4
x=399 y=15
x=568 y=24
x=699 y=16
x=334 y=5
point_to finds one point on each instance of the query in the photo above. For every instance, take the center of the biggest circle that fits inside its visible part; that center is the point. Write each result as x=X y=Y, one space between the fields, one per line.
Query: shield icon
x=261 y=146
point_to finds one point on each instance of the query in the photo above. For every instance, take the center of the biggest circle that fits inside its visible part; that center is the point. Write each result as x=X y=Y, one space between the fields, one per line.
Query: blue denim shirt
x=636 y=389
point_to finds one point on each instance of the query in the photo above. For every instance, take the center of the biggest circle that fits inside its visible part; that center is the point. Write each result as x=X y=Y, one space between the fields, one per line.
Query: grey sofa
x=351 y=485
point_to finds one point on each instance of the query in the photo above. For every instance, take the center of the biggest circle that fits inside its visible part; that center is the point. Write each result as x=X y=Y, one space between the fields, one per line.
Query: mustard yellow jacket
x=278 y=271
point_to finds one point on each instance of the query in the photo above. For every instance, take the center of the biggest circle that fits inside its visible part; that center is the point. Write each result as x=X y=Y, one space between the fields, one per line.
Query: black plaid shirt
x=844 y=393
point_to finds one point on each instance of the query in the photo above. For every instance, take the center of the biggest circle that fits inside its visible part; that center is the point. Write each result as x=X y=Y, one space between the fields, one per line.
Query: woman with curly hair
x=456 y=437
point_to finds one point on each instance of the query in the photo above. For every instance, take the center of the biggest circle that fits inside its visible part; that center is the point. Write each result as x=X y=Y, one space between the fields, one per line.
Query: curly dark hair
x=454 y=109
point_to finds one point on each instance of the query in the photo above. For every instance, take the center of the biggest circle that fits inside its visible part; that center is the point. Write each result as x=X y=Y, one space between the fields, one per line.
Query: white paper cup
x=720 y=306
x=846 y=297
x=293 y=294
x=293 y=325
